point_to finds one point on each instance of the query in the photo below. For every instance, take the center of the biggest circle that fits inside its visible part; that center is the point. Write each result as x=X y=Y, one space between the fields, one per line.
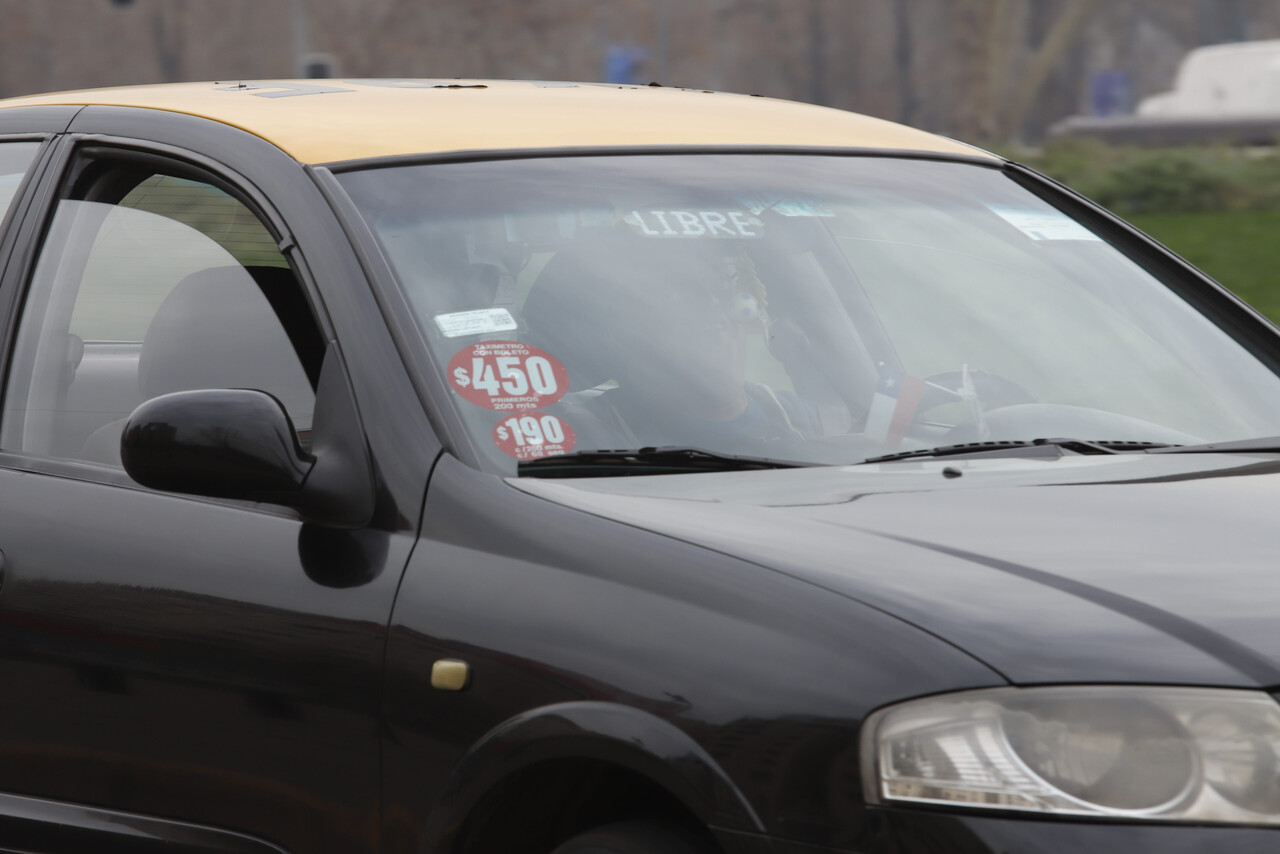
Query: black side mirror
x=240 y=443
x=222 y=443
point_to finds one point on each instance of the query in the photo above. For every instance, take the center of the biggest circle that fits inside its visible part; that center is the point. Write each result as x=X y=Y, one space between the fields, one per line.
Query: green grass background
x=1217 y=206
x=1240 y=249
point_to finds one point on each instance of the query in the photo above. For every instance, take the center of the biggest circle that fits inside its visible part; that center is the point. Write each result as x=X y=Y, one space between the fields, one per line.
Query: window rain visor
x=15 y=159
x=797 y=307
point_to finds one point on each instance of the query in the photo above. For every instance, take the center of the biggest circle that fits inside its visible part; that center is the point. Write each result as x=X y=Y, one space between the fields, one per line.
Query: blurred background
x=1166 y=111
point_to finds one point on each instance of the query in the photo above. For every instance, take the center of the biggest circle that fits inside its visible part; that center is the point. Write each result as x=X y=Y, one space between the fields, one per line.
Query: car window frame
x=9 y=212
x=65 y=161
x=1203 y=294
x=426 y=374
x=15 y=220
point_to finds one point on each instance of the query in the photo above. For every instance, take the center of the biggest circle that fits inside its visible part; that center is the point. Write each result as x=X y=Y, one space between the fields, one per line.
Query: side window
x=149 y=284
x=15 y=158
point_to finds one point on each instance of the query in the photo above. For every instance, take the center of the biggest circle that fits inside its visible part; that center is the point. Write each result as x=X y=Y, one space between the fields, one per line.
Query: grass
x=1216 y=206
x=1237 y=248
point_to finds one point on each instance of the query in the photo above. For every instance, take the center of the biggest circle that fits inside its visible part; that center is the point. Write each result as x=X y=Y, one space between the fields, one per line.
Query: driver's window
x=167 y=285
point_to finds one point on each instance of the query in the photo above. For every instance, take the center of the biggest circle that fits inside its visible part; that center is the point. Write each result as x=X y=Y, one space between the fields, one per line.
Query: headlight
x=1125 y=752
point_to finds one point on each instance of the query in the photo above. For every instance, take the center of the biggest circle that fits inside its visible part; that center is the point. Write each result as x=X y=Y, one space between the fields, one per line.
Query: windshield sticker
x=786 y=205
x=1043 y=224
x=551 y=227
x=534 y=436
x=480 y=322
x=507 y=376
x=686 y=224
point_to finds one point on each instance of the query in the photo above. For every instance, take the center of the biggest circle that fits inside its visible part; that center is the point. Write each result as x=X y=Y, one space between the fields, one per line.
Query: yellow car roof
x=322 y=121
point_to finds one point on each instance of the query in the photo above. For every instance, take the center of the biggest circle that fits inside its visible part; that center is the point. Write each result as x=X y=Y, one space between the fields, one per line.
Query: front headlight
x=1125 y=752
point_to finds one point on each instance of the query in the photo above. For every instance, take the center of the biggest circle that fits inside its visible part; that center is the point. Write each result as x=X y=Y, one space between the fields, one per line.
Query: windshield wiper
x=670 y=459
x=1262 y=444
x=1022 y=448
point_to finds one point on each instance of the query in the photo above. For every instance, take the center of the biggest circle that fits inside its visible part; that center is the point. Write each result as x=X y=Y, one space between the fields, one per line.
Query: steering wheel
x=981 y=391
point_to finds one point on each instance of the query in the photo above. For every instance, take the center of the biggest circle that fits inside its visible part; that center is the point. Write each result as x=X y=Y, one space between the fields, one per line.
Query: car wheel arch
x=612 y=747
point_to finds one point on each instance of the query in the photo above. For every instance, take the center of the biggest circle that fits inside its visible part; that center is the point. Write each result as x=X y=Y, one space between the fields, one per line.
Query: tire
x=635 y=837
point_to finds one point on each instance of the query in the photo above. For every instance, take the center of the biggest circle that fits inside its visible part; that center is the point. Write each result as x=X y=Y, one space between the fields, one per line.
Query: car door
x=170 y=658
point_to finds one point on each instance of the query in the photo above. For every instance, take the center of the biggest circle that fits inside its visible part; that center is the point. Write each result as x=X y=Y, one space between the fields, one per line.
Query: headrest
x=565 y=313
x=590 y=299
x=216 y=329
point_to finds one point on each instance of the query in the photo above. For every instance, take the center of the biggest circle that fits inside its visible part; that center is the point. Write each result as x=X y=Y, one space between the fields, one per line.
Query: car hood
x=1126 y=568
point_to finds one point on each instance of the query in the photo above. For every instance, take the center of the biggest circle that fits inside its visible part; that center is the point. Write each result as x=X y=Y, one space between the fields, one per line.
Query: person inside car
x=664 y=326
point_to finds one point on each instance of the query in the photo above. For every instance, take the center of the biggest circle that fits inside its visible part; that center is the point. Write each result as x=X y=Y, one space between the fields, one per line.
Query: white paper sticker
x=1044 y=224
x=479 y=322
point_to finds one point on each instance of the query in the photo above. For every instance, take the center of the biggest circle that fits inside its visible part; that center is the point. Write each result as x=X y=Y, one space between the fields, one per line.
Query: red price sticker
x=507 y=376
x=533 y=436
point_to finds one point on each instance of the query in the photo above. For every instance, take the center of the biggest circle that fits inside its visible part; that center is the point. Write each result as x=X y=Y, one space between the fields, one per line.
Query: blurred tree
x=972 y=23
x=1061 y=37
x=903 y=50
x=167 y=32
x=1002 y=71
x=982 y=70
x=1220 y=21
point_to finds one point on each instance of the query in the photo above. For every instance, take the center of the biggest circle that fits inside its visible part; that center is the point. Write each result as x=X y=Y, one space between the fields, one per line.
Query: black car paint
x=167 y=673
x=1097 y=577
x=208 y=673
x=779 y=678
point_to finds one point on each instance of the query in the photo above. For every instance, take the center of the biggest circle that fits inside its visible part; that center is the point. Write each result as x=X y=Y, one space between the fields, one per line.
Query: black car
x=515 y=468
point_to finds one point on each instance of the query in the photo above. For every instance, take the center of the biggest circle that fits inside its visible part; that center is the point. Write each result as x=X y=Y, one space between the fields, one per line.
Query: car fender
x=622 y=735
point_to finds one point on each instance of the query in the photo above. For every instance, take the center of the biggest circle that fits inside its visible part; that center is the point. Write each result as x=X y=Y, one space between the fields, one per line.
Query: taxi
x=483 y=467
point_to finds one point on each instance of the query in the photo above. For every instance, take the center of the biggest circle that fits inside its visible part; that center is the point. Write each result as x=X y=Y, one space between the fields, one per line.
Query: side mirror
x=221 y=443
x=240 y=443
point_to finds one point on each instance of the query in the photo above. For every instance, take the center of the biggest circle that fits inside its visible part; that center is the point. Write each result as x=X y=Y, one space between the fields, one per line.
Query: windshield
x=808 y=308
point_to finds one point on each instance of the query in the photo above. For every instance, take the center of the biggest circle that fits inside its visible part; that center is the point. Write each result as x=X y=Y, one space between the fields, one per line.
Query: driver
x=671 y=320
